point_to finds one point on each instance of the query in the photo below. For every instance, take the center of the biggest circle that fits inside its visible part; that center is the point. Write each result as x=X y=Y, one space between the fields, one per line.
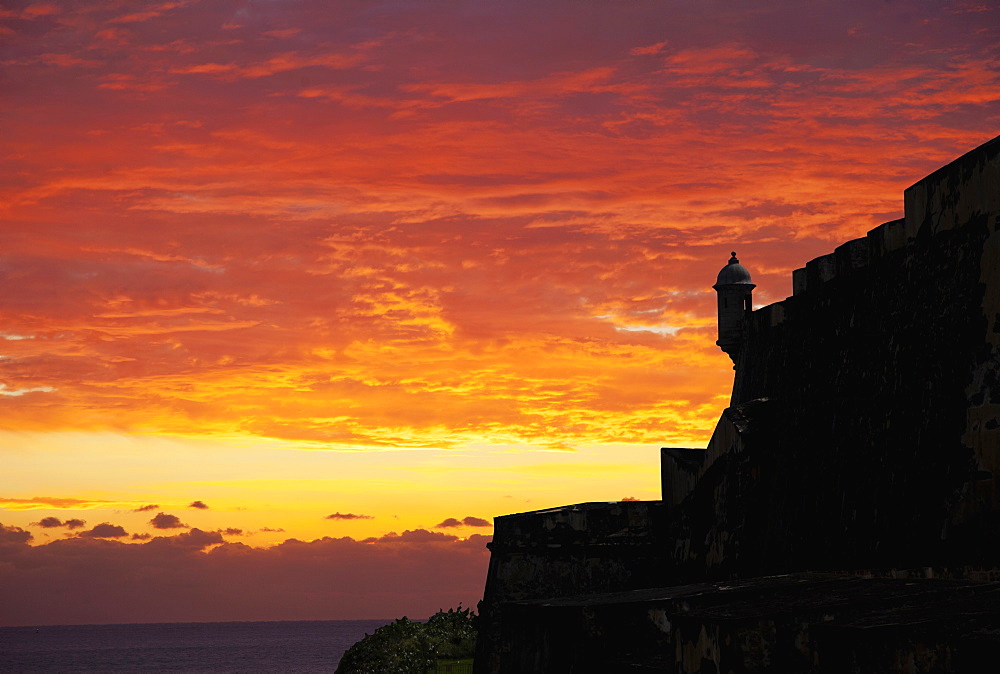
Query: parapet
x=965 y=189
x=851 y=257
x=583 y=524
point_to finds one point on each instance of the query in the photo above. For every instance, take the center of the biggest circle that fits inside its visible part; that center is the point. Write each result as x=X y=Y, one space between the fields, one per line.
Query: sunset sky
x=297 y=295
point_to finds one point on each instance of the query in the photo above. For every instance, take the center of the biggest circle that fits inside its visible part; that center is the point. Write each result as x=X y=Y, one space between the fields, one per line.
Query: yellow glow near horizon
x=254 y=483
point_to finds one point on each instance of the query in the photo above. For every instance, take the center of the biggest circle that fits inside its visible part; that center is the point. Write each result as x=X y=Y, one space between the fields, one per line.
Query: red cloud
x=277 y=64
x=556 y=285
x=648 y=49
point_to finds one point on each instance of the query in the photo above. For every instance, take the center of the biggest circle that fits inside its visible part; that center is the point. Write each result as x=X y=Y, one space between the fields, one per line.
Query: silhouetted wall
x=863 y=432
x=875 y=440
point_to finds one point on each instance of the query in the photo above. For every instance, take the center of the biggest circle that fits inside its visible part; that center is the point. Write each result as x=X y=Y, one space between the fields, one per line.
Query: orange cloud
x=278 y=64
x=47 y=502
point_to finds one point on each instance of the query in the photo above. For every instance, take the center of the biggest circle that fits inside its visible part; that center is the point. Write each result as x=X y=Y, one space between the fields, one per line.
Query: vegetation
x=408 y=647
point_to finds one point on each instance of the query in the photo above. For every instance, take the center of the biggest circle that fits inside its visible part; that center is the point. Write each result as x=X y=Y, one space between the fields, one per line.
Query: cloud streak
x=54 y=502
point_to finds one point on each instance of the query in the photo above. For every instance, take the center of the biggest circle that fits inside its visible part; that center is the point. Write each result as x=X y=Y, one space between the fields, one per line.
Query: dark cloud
x=269 y=530
x=200 y=505
x=141 y=537
x=14 y=535
x=476 y=522
x=166 y=521
x=196 y=539
x=630 y=498
x=196 y=577
x=348 y=516
x=414 y=536
x=104 y=530
x=53 y=522
x=464 y=522
x=146 y=508
x=231 y=531
x=48 y=522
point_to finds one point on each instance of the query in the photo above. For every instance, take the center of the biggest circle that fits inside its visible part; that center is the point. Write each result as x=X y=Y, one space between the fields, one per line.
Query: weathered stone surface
x=588 y=547
x=804 y=623
x=881 y=381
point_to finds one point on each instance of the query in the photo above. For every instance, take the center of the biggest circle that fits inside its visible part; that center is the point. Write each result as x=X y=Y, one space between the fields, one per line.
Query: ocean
x=293 y=646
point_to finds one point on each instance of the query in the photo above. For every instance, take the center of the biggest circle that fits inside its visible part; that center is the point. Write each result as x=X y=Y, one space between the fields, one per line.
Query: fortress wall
x=587 y=547
x=850 y=258
x=880 y=440
x=863 y=432
x=682 y=469
x=799 y=623
x=965 y=190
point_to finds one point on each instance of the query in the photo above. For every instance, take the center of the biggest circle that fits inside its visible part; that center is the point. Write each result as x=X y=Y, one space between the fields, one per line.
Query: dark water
x=300 y=646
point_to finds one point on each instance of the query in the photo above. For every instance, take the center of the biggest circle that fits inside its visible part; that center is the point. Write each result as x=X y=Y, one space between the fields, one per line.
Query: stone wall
x=588 y=547
x=863 y=433
x=880 y=439
x=804 y=623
